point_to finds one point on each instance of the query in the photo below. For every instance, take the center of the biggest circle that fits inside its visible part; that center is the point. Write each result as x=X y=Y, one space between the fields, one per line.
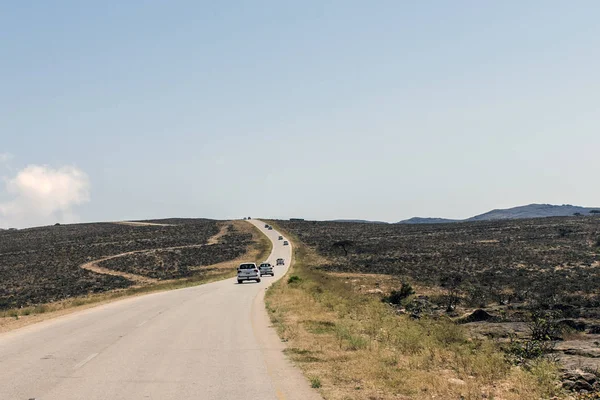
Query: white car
x=266 y=269
x=285 y=242
x=280 y=261
x=248 y=272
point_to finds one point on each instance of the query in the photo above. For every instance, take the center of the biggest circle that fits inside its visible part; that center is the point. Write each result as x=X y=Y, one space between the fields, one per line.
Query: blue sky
x=319 y=109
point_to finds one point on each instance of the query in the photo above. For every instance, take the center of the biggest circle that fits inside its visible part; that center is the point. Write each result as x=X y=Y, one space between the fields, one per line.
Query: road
x=206 y=342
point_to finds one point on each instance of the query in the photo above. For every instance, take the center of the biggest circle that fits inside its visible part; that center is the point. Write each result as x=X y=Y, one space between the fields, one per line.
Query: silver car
x=266 y=269
x=248 y=272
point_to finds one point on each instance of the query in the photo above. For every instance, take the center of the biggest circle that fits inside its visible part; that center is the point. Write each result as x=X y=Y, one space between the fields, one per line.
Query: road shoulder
x=288 y=380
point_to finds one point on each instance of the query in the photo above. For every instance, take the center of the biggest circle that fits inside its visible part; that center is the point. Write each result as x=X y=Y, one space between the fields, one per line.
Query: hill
x=421 y=220
x=533 y=211
x=521 y=212
x=358 y=221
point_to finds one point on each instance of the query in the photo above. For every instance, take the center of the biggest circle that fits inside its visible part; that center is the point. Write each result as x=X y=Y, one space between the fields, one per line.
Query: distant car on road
x=280 y=261
x=266 y=269
x=270 y=228
x=280 y=237
x=285 y=242
x=266 y=225
x=248 y=272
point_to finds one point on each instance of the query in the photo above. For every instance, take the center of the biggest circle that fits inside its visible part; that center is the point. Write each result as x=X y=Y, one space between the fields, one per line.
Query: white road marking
x=87 y=360
x=142 y=323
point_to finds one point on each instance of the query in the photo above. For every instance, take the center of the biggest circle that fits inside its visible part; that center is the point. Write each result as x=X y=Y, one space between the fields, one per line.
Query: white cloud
x=41 y=195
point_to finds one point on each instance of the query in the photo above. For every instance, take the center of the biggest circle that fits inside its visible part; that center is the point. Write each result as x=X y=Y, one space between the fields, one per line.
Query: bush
x=315 y=382
x=564 y=232
x=522 y=350
x=294 y=279
x=544 y=326
x=396 y=296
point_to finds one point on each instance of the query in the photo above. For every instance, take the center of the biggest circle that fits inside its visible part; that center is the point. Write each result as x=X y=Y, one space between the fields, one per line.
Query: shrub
x=315 y=382
x=294 y=279
x=522 y=350
x=544 y=326
x=396 y=296
x=563 y=232
x=344 y=245
x=451 y=282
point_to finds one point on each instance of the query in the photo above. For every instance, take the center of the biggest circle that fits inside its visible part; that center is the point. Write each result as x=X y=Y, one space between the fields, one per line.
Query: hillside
x=520 y=212
x=533 y=211
x=52 y=263
x=358 y=221
x=421 y=220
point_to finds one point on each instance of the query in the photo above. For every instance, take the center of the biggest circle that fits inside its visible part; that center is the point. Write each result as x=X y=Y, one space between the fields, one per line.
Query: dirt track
x=139 y=279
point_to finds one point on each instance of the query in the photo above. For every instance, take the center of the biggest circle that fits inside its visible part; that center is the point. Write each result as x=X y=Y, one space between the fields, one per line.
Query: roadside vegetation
x=352 y=345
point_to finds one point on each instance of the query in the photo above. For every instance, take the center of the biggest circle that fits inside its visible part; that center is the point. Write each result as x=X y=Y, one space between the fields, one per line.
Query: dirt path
x=140 y=279
x=224 y=228
x=94 y=267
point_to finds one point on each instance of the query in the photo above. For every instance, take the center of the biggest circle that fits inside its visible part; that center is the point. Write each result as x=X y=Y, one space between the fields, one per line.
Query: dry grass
x=259 y=250
x=355 y=347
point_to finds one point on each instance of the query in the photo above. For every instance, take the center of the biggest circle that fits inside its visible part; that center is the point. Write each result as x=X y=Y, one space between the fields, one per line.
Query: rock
x=373 y=291
x=578 y=326
x=589 y=378
x=581 y=385
x=580 y=381
x=577 y=375
x=594 y=329
x=478 y=315
x=568 y=384
x=456 y=381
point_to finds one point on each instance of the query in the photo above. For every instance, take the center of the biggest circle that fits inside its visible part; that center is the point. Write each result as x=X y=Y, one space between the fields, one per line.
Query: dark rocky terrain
x=530 y=284
x=40 y=265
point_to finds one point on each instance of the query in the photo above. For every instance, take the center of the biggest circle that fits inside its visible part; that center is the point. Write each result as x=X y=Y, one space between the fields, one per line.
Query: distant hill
x=420 y=220
x=360 y=221
x=528 y=211
x=533 y=211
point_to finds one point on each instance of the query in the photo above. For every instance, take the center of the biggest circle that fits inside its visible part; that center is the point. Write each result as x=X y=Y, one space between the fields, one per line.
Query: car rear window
x=247 y=266
x=265 y=265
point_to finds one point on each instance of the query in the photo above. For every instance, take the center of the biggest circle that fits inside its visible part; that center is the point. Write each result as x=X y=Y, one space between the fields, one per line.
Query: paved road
x=206 y=342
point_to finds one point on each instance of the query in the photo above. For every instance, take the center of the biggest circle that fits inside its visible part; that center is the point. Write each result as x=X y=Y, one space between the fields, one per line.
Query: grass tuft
x=315 y=382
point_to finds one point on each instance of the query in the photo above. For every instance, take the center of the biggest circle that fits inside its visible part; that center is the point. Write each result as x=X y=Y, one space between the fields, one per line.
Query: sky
x=378 y=110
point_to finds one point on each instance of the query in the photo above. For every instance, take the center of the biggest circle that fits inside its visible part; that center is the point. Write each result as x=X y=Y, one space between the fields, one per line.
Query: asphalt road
x=206 y=342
